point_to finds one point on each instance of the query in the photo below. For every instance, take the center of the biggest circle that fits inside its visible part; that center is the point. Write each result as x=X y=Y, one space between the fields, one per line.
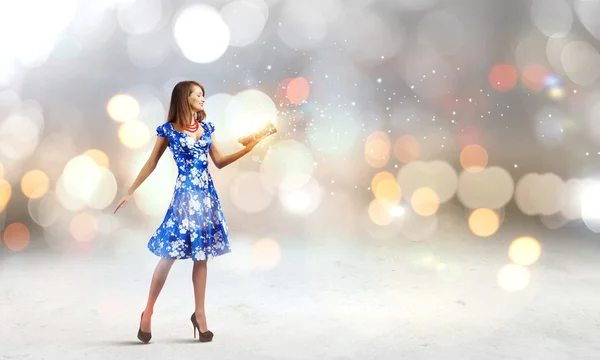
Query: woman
x=194 y=226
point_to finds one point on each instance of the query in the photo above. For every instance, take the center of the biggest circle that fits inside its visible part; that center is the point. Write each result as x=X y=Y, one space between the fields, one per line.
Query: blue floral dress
x=194 y=226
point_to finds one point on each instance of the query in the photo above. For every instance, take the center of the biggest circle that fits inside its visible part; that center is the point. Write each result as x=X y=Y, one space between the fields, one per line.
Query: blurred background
x=398 y=120
x=432 y=191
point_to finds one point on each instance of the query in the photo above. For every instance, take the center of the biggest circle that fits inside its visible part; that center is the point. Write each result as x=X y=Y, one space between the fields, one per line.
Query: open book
x=268 y=129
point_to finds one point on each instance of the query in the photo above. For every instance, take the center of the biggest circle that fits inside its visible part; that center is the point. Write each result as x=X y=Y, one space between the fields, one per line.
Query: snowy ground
x=327 y=298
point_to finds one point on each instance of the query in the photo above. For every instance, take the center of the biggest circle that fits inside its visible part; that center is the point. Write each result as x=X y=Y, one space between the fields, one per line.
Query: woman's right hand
x=122 y=202
x=252 y=143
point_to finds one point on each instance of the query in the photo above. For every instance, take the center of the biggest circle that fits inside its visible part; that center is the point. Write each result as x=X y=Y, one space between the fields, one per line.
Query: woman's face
x=196 y=99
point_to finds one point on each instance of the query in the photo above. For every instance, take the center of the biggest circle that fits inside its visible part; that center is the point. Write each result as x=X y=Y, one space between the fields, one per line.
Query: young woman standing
x=194 y=226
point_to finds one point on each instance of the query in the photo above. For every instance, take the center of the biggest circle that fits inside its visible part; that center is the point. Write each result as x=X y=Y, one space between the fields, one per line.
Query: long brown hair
x=180 y=110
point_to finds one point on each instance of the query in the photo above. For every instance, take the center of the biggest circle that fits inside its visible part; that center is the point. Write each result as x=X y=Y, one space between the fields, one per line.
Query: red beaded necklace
x=193 y=127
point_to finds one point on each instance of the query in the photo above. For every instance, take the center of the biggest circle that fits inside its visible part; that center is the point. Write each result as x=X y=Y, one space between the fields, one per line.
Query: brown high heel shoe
x=144 y=336
x=204 y=336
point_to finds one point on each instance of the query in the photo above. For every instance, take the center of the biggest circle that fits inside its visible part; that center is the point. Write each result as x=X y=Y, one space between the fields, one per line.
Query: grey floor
x=328 y=298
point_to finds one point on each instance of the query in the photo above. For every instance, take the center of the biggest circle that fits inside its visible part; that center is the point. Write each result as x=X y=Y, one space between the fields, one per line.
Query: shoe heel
x=202 y=336
x=144 y=337
x=193 y=320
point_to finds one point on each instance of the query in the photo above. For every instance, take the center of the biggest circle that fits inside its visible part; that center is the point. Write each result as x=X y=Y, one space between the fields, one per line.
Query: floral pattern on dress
x=194 y=225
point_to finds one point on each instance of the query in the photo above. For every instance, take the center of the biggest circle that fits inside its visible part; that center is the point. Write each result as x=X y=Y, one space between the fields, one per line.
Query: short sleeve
x=211 y=127
x=160 y=131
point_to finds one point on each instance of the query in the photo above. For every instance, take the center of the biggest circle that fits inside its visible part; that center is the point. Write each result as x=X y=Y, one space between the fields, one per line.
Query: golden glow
x=513 y=277
x=379 y=177
x=379 y=213
x=123 y=108
x=425 y=201
x=35 y=184
x=134 y=134
x=388 y=191
x=524 y=251
x=377 y=149
x=99 y=157
x=473 y=158
x=16 y=236
x=484 y=222
x=5 y=193
x=407 y=148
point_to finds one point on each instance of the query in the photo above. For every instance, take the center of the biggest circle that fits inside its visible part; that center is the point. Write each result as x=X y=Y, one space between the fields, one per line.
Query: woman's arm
x=221 y=160
x=147 y=169
x=159 y=148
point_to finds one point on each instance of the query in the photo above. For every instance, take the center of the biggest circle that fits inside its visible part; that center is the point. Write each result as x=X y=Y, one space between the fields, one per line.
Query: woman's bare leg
x=199 y=280
x=158 y=281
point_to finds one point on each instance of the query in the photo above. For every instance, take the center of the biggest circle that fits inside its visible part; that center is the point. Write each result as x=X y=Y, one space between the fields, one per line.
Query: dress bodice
x=188 y=153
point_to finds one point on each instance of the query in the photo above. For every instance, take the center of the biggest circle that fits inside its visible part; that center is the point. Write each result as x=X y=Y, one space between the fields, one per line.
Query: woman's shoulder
x=209 y=125
x=162 y=129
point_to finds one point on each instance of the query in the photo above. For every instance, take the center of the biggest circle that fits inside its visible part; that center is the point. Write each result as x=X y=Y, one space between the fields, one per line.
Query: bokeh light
x=123 y=108
x=99 y=157
x=425 y=201
x=572 y=196
x=248 y=111
x=267 y=253
x=581 y=62
x=377 y=149
x=282 y=90
x=407 y=148
x=298 y=90
x=503 y=77
x=191 y=23
x=5 y=193
x=552 y=17
x=35 y=183
x=16 y=236
x=492 y=188
x=32 y=46
x=512 y=277
x=379 y=177
x=21 y=133
x=46 y=210
x=524 y=251
x=139 y=17
x=388 y=191
x=303 y=200
x=484 y=222
x=539 y=194
x=590 y=205
x=473 y=158
x=533 y=77
x=147 y=199
x=84 y=183
x=380 y=212
x=245 y=20
x=83 y=227
x=436 y=175
x=134 y=134
x=288 y=165
x=249 y=194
